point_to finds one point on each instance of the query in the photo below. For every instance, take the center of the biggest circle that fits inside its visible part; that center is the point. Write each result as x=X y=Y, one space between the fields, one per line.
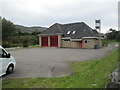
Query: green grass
x=85 y=74
x=106 y=42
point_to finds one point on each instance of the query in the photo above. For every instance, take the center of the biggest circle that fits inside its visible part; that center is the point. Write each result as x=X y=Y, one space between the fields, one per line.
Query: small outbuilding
x=73 y=35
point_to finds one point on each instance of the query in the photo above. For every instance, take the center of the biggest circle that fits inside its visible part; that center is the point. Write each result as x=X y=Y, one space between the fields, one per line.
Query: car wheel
x=10 y=69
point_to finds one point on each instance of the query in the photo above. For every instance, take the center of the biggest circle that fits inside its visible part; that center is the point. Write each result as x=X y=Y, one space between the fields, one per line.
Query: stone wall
x=114 y=78
x=66 y=44
x=70 y=44
x=88 y=43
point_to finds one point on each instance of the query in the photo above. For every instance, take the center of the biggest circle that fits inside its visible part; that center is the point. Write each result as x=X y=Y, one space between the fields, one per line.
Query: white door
x=4 y=61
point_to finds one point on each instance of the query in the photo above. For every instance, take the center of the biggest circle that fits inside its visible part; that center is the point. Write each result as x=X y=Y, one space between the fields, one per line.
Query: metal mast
x=98 y=26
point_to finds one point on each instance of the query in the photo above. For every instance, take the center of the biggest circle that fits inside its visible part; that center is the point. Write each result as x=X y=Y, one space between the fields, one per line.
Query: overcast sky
x=47 y=12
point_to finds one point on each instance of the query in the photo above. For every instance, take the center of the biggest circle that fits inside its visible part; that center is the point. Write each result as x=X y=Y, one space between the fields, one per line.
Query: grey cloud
x=46 y=15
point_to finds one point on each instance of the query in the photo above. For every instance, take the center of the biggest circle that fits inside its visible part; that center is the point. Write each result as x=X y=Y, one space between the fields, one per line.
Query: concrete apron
x=48 y=70
x=56 y=70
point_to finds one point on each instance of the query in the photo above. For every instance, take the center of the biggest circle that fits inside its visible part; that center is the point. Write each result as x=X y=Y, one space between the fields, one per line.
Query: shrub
x=25 y=42
x=25 y=45
x=6 y=44
x=15 y=45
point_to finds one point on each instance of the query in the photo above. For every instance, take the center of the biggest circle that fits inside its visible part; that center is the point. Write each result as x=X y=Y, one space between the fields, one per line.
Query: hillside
x=30 y=29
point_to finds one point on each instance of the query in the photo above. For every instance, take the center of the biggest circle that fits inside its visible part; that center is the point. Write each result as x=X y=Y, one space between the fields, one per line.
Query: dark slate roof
x=53 y=29
x=82 y=30
x=96 y=32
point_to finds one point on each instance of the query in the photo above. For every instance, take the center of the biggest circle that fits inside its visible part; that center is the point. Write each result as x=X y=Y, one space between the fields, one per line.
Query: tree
x=19 y=33
x=8 y=29
x=113 y=34
x=36 y=32
x=13 y=37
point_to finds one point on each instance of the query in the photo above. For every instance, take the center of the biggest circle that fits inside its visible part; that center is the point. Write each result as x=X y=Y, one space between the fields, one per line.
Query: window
x=73 y=32
x=85 y=41
x=88 y=41
x=68 y=32
x=3 y=54
x=66 y=40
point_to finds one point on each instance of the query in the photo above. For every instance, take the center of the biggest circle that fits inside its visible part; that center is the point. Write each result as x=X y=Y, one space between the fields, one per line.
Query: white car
x=7 y=62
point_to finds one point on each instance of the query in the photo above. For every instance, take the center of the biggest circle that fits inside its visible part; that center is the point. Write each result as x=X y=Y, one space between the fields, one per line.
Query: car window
x=1 y=52
x=4 y=54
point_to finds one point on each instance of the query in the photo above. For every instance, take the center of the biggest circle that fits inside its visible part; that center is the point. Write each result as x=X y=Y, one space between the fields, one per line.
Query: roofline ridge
x=72 y=23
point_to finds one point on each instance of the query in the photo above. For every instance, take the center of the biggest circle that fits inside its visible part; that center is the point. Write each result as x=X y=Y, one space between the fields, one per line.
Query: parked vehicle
x=7 y=62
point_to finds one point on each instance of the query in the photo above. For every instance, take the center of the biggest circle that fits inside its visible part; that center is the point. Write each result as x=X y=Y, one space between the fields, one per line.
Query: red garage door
x=80 y=44
x=54 y=41
x=44 y=41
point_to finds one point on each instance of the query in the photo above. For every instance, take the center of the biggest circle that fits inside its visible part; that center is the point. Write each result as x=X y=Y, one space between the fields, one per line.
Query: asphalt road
x=51 y=62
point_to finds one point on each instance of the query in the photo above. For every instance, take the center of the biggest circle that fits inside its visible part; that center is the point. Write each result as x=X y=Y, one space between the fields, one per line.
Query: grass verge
x=105 y=42
x=87 y=74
